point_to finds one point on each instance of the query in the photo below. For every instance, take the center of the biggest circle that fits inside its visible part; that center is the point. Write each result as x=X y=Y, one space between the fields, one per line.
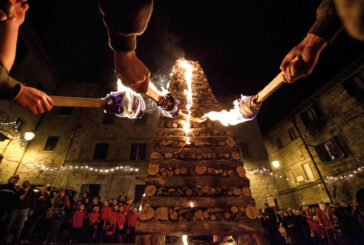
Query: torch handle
x=153 y=94
x=270 y=88
x=76 y=101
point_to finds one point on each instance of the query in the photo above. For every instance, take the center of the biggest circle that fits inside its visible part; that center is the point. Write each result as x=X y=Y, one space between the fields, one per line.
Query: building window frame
x=101 y=151
x=138 y=151
x=51 y=143
x=279 y=143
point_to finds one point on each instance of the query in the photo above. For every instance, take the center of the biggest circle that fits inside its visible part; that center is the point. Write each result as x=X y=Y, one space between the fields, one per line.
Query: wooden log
x=212 y=217
x=173 y=215
x=153 y=169
x=246 y=191
x=170 y=173
x=157 y=239
x=205 y=189
x=200 y=228
x=189 y=192
x=234 y=209
x=251 y=212
x=206 y=215
x=198 y=214
x=227 y=215
x=184 y=171
x=200 y=170
x=147 y=213
x=143 y=240
x=177 y=172
x=241 y=171
x=161 y=213
x=230 y=142
x=237 y=191
x=168 y=155
x=155 y=155
x=230 y=172
x=235 y=155
x=150 y=190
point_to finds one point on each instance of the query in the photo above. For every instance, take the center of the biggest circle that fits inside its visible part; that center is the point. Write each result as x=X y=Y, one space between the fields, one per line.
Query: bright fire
x=232 y=117
x=184 y=240
x=188 y=92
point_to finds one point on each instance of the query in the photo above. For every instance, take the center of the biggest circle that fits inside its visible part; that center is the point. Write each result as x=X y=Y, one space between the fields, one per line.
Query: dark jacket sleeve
x=125 y=20
x=9 y=87
x=328 y=24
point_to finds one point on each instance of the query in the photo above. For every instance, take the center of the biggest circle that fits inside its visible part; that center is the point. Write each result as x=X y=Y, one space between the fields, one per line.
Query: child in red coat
x=105 y=213
x=110 y=225
x=120 y=225
x=132 y=220
x=77 y=223
x=94 y=221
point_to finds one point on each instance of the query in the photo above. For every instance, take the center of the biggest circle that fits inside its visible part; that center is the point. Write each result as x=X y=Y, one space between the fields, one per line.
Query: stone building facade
x=255 y=158
x=319 y=146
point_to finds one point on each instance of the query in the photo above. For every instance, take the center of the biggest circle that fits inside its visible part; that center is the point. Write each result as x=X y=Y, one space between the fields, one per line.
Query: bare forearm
x=8 y=39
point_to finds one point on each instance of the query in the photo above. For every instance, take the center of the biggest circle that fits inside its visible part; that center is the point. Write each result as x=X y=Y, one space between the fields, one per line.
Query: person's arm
x=302 y=59
x=125 y=20
x=328 y=24
x=9 y=31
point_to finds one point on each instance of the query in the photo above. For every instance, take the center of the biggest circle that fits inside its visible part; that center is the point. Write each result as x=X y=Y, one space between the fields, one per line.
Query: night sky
x=240 y=45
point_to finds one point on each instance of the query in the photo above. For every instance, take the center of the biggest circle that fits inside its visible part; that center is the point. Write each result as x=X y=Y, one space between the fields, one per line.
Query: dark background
x=240 y=45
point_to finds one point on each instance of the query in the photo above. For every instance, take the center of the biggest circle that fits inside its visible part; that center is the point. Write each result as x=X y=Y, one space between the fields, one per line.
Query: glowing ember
x=188 y=92
x=232 y=117
x=184 y=240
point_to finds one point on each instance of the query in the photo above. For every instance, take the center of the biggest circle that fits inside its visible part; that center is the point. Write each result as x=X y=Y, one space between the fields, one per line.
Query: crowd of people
x=48 y=215
x=340 y=224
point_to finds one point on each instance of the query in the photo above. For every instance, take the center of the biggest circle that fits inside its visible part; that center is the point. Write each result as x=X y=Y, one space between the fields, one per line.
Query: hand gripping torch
x=123 y=104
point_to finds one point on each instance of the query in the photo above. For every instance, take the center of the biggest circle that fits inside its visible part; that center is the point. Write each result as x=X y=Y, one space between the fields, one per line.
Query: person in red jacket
x=126 y=206
x=94 y=221
x=132 y=220
x=317 y=231
x=105 y=212
x=324 y=214
x=77 y=223
x=120 y=225
x=110 y=226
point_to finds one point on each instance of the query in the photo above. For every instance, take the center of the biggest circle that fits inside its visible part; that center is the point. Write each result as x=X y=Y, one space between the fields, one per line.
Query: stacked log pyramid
x=202 y=189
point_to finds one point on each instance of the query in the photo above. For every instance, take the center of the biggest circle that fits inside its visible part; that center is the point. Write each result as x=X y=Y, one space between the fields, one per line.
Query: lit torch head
x=245 y=109
x=249 y=107
x=124 y=104
x=169 y=106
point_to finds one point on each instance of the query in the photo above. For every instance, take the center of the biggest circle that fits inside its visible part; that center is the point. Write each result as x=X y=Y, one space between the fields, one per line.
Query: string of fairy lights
x=101 y=170
x=12 y=129
x=350 y=174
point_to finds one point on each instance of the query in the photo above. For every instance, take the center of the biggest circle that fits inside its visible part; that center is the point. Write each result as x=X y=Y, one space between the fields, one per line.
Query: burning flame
x=188 y=92
x=128 y=100
x=232 y=117
x=184 y=240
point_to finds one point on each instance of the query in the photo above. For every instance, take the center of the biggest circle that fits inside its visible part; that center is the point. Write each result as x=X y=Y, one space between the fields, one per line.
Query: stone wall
x=338 y=115
x=254 y=156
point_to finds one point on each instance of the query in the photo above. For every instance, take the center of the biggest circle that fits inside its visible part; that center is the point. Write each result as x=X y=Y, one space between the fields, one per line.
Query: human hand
x=34 y=100
x=132 y=71
x=302 y=59
x=13 y=10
